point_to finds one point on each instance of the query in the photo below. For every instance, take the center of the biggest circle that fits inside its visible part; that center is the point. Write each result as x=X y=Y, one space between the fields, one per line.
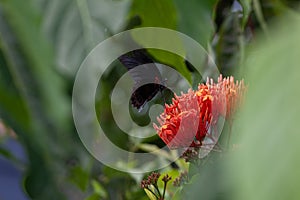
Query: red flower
x=177 y=123
x=187 y=120
x=190 y=117
x=228 y=95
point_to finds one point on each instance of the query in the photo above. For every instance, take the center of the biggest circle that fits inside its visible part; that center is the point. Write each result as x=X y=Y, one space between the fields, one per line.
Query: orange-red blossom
x=189 y=118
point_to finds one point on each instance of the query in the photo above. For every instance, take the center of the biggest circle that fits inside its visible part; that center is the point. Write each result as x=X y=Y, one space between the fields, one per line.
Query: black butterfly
x=143 y=74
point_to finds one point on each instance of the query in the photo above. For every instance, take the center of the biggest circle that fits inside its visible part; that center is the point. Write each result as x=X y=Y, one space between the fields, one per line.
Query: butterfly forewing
x=146 y=76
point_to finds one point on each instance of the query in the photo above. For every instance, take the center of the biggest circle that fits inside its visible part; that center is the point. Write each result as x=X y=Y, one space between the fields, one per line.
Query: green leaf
x=267 y=164
x=150 y=194
x=79 y=177
x=76 y=26
x=94 y=197
x=154 y=13
x=99 y=189
x=195 y=19
x=158 y=13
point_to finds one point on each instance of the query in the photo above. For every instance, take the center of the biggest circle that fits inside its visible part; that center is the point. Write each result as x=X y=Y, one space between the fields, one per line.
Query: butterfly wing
x=135 y=58
x=146 y=77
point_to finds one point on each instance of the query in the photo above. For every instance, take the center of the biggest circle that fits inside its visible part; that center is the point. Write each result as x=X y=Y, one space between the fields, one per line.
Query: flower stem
x=165 y=187
x=157 y=189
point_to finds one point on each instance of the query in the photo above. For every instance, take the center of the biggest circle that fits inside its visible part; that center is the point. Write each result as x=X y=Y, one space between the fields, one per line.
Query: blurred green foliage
x=267 y=164
x=42 y=44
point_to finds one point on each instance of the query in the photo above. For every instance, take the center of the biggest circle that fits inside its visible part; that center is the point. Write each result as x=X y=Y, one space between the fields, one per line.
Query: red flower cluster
x=190 y=117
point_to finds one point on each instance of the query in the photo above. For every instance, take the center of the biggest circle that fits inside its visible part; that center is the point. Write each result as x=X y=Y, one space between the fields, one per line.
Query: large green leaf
x=158 y=13
x=155 y=13
x=195 y=19
x=76 y=26
x=267 y=164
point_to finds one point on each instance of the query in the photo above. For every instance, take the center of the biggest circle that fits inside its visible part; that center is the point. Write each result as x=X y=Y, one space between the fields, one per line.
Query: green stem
x=260 y=16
